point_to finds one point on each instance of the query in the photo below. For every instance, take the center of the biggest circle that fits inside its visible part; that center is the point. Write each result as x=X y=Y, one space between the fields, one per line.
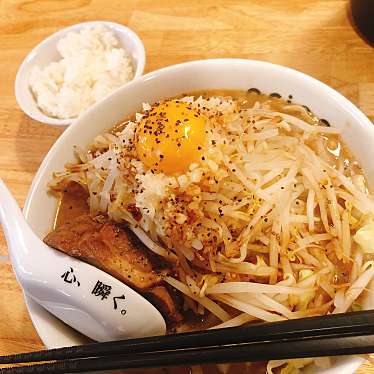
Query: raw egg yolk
x=170 y=137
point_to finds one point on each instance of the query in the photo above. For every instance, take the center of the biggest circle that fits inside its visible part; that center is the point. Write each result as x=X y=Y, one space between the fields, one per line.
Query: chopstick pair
x=340 y=334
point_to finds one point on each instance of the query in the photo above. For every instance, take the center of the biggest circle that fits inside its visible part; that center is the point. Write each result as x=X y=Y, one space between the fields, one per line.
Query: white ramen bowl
x=46 y=52
x=40 y=207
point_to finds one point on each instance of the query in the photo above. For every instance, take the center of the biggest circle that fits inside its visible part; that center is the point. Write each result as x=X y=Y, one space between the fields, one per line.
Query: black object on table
x=331 y=335
x=362 y=15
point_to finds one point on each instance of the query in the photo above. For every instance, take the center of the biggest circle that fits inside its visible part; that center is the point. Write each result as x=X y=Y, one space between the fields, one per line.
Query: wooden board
x=313 y=36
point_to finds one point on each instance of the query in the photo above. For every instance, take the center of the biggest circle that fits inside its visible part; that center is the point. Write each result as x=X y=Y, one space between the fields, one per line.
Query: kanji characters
x=123 y=297
x=69 y=277
x=102 y=290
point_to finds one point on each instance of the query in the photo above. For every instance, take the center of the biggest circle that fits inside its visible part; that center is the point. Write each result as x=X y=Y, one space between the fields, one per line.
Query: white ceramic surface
x=86 y=298
x=46 y=52
x=357 y=131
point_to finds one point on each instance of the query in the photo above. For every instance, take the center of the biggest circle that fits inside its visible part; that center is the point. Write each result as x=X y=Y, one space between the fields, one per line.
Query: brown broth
x=239 y=368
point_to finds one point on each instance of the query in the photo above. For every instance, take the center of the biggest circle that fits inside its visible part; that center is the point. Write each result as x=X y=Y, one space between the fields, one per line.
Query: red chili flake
x=191 y=217
x=135 y=212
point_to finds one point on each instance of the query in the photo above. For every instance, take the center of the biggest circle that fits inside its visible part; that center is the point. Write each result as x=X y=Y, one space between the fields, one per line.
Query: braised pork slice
x=114 y=249
x=166 y=301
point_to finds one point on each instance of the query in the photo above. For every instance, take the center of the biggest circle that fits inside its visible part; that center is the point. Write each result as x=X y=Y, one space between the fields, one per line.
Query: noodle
x=238 y=287
x=239 y=320
x=249 y=309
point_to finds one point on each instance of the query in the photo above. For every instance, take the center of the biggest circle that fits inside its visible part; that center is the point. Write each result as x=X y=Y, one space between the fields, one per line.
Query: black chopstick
x=355 y=322
x=335 y=334
x=271 y=350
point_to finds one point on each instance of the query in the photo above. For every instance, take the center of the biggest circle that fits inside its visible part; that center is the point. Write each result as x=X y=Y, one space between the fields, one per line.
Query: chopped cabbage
x=364 y=237
x=294 y=365
x=301 y=301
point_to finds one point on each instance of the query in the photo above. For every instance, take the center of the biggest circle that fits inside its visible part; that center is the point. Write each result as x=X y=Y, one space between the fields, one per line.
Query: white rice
x=92 y=65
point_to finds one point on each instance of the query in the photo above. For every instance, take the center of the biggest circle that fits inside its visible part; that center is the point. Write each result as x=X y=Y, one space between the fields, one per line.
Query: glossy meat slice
x=166 y=301
x=73 y=203
x=112 y=248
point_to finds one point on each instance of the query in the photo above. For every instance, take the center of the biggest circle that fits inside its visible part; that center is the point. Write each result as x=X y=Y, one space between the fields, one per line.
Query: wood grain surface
x=313 y=36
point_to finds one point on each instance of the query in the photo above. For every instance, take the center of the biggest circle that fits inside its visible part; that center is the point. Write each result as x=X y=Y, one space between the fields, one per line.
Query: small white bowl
x=46 y=52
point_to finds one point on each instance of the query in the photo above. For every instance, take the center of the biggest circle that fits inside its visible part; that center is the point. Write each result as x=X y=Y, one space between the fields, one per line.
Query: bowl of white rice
x=75 y=68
